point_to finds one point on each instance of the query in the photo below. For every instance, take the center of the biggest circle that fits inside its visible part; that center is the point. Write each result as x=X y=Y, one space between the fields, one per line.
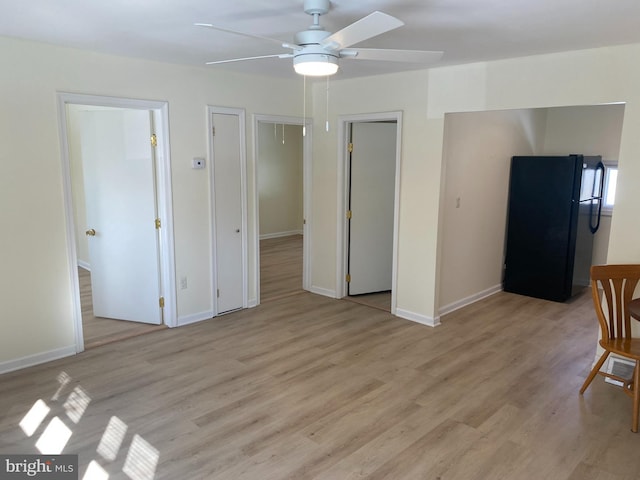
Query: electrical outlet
x=198 y=163
x=183 y=283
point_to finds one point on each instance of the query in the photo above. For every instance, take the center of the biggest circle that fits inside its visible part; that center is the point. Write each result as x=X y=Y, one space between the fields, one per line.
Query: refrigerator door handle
x=592 y=227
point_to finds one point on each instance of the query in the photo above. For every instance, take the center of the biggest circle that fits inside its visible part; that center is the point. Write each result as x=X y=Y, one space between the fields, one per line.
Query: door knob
x=90 y=233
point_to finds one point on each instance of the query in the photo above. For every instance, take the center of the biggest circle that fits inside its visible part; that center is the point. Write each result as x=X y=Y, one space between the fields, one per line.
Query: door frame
x=342 y=238
x=240 y=114
x=306 y=123
x=160 y=111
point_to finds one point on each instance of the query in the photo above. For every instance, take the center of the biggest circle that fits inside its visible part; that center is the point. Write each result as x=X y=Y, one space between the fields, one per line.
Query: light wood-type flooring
x=308 y=387
x=281 y=273
x=280 y=267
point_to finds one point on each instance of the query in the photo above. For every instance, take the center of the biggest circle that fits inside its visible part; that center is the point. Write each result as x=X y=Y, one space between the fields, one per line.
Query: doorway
x=125 y=287
x=369 y=199
x=282 y=204
x=477 y=151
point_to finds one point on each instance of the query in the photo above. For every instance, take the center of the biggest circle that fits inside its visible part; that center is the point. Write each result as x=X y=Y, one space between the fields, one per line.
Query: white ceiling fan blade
x=281 y=55
x=390 y=55
x=370 y=26
x=250 y=35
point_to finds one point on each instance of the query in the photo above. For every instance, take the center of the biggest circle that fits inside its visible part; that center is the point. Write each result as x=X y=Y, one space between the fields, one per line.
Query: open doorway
x=282 y=152
x=116 y=171
x=478 y=147
x=368 y=230
x=371 y=180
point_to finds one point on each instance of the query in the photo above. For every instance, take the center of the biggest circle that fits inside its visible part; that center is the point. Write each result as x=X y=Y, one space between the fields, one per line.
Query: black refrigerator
x=554 y=210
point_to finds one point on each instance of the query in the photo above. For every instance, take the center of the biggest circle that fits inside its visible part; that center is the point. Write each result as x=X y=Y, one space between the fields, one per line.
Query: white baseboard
x=84 y=265
x=324 y=292
x=470 y=299
x=418 y=318
x=252 y=303
x=195 y=318
x=36 y=359
x=280 y=234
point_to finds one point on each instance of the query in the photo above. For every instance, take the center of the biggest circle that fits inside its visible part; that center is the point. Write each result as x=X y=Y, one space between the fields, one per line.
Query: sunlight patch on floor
x=34 y=417
x=142 y=458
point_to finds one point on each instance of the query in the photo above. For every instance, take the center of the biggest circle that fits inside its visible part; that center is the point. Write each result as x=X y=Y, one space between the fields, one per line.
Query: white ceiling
x=466 y=30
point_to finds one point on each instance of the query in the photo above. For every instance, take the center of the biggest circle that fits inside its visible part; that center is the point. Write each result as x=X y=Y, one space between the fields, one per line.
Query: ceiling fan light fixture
x=315 y=65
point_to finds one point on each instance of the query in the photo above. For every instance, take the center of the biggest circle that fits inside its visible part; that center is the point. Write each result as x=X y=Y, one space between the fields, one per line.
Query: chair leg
x=594 y=371
x=636 y=396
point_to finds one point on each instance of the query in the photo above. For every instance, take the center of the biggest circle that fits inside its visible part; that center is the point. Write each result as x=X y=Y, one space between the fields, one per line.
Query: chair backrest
x=618 y=282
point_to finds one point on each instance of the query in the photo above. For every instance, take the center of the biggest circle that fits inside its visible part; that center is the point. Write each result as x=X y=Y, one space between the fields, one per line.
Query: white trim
x=240 y=113
x=195 y=318
x=607 y=210
x=165 y=213
x=306 y=195
x=37 y=359
x=325 y=292
x=267 y=236
x=343 y=191
x=418 y=318
x=470 y=299
x=84 y=265
x=164 y=195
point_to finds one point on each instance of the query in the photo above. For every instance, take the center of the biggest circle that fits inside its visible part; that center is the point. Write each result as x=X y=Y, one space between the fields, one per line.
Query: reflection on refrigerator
x=555 y=204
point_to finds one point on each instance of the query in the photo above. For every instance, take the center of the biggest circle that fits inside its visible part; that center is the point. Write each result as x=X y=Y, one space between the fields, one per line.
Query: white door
x=119 y=180
x=227 y=187
x=372 y=196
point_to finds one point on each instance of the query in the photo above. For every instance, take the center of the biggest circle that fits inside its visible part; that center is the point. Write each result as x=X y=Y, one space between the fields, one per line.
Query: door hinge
x=154 y=140
x=348 y=278
x=349 y=214
x=213 y=131
x=158 y=223
x=161 y=302
x=218 y=293
x=351 y=148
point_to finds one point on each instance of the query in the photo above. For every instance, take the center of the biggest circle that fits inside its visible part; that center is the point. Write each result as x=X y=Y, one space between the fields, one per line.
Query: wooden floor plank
x=307 y=387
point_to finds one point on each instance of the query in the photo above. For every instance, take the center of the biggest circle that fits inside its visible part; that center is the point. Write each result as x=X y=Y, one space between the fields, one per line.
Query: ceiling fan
x=316 y=51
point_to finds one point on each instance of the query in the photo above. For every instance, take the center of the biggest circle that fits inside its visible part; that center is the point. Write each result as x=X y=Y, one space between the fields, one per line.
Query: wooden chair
x=618 y=282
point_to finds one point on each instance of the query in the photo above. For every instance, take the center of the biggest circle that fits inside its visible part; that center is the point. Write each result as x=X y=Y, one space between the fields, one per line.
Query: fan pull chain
x=283 y=133
x=275 y=131
x=327 y=115
x=304 y=106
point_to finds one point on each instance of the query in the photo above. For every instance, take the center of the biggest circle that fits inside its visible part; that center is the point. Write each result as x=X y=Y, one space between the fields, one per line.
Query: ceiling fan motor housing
x=310 y=37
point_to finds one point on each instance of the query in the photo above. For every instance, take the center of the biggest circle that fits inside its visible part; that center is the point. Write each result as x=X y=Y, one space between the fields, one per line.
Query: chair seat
x=625 y=347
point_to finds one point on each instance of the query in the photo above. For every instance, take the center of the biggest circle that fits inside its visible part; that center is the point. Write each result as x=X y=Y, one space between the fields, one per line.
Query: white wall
x=588 y=77
x=605 y=75
x=406 y=92
x=477 y=152
x=77 y=184
x=280 y=179
x=35 y=288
